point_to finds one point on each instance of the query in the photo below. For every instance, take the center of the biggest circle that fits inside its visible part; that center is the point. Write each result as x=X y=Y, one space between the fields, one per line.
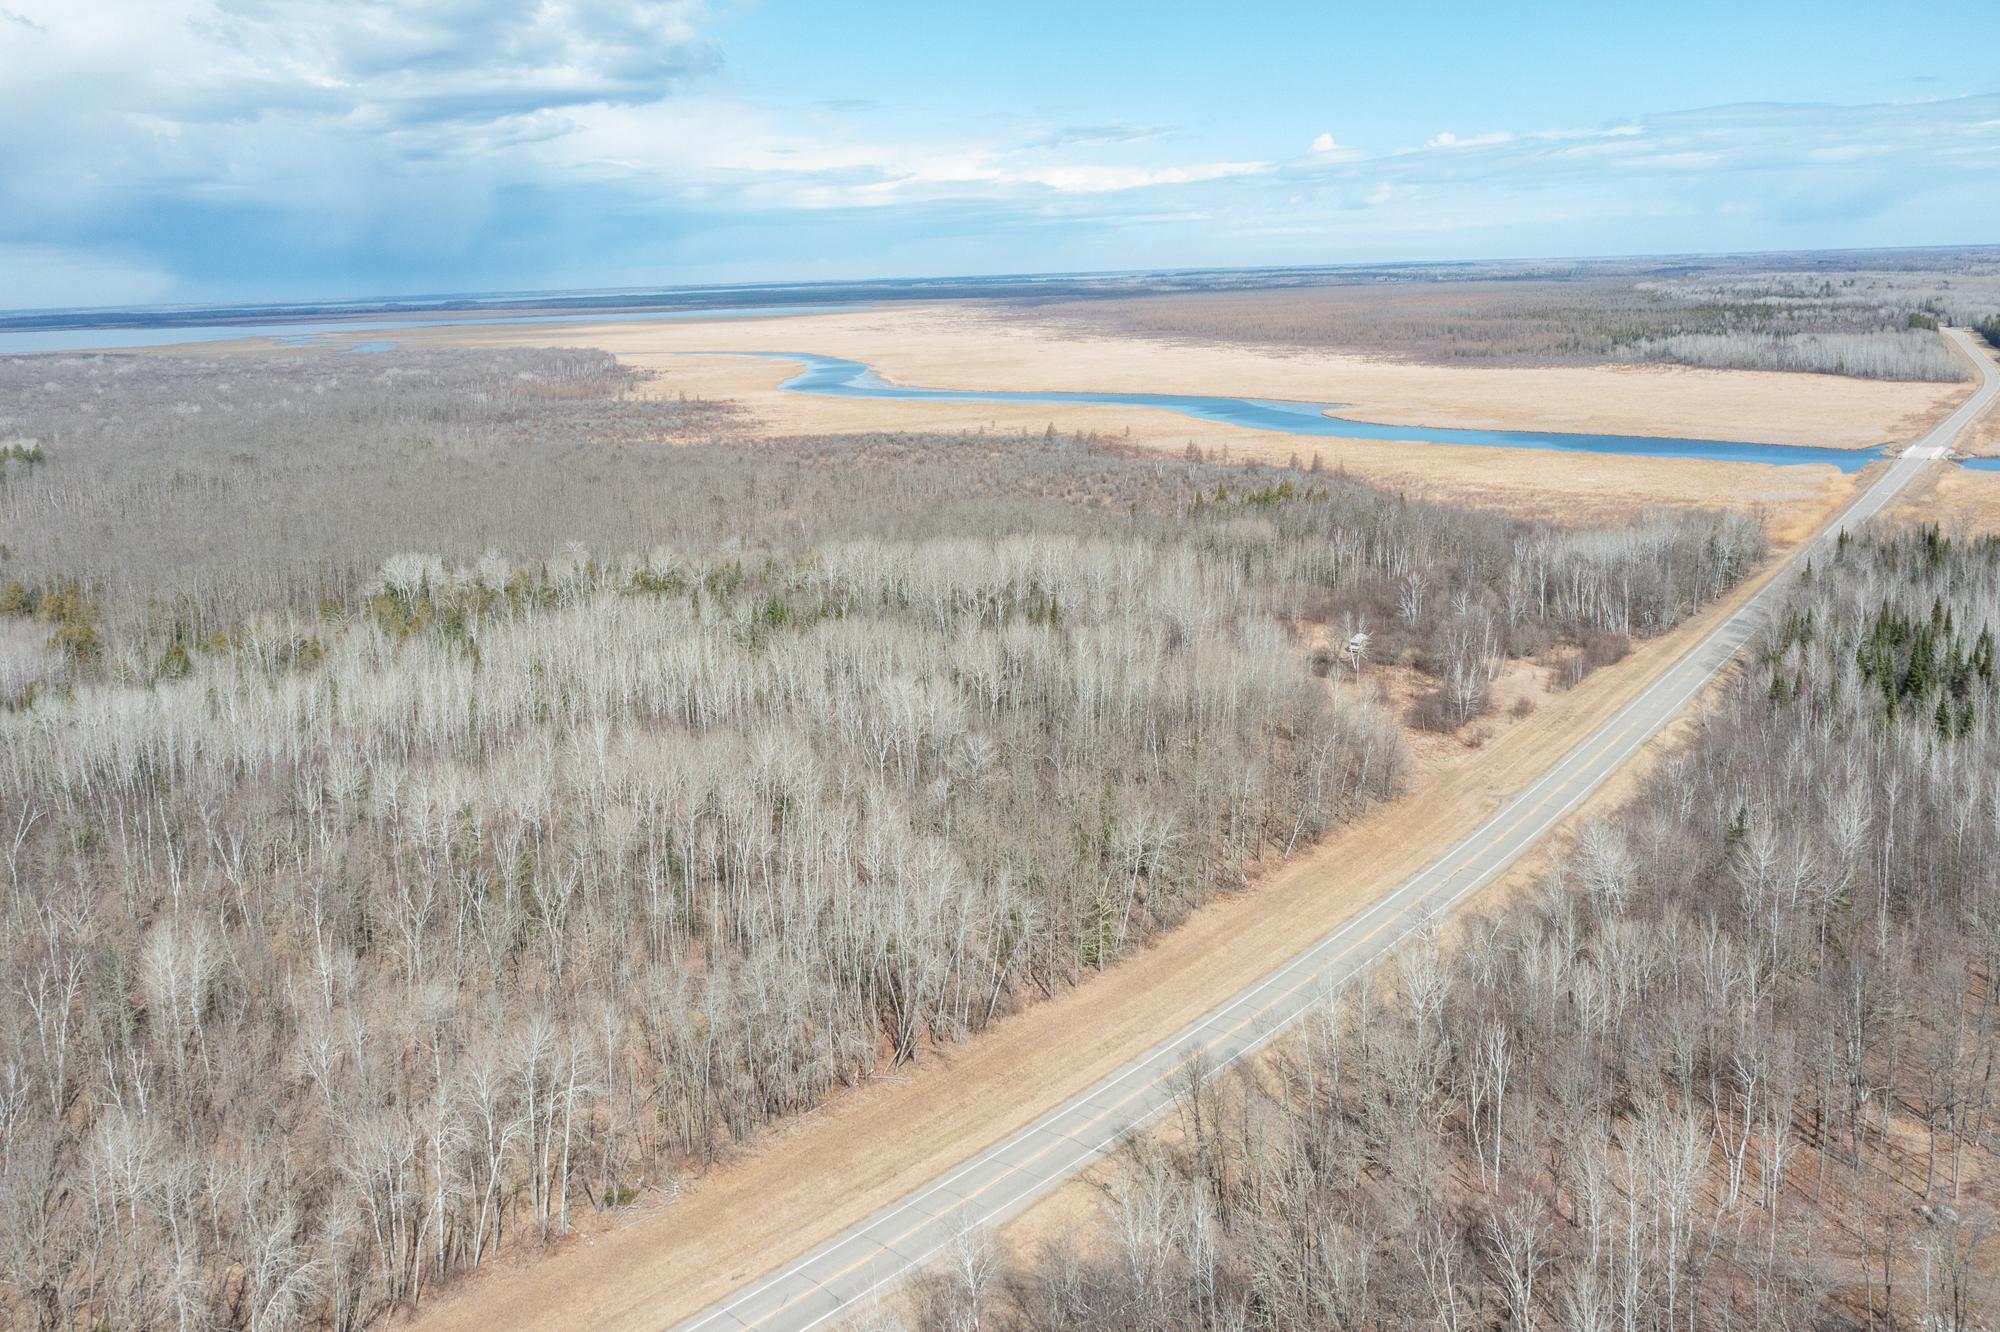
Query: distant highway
x=998 y=1182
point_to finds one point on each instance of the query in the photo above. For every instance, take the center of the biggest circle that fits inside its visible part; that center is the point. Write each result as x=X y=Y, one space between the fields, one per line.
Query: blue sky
x=184 y=150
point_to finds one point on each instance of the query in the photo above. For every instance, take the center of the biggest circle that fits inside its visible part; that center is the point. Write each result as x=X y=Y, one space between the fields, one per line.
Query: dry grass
x=963 y=346
x=1982 y=438
x=1958 y=499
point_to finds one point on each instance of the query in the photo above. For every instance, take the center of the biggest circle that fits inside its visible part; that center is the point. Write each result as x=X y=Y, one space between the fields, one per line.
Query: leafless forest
x=441 y=793
x=1732 y=1065
x=1870 y=321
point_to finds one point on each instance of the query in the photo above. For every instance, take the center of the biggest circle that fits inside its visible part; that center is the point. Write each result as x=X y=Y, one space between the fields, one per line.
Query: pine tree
x=1922 y=674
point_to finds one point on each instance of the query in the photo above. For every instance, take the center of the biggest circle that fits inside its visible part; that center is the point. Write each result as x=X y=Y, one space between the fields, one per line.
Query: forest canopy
x=1733 y=1064
x=442 y=792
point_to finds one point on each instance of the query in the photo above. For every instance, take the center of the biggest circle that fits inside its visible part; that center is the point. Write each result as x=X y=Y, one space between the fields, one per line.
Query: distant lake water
x=304 y=332
x=831 y=376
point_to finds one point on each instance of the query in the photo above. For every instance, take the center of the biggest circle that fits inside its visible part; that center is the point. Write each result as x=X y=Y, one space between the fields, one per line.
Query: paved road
x=828 y=1281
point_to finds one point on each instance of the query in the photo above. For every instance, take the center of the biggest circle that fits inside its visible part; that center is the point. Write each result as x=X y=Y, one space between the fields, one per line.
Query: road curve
x=828 y=1281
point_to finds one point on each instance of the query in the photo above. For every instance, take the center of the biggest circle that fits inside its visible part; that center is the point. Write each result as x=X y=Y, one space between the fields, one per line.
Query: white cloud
x=1824 y=175
x=673 y=149
x=1092 y=136
x=417 y=126
x=1449 y=140
x=293 y=104
x=344 y=114
x=1096 y=179
x=401 y=61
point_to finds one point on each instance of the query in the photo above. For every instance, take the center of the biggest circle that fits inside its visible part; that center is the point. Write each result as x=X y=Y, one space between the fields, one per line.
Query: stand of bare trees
x=359 y=924
x=1733 y=1066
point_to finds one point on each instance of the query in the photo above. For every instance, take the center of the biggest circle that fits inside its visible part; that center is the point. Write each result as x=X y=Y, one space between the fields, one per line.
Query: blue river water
x=831 y=376
x=304 y=332
x=1981 y=464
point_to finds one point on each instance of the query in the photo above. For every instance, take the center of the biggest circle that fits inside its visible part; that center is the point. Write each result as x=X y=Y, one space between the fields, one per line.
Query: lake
x=304 y=332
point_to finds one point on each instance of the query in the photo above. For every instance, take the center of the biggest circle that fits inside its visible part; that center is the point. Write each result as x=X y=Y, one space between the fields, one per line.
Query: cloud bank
x=227 y=148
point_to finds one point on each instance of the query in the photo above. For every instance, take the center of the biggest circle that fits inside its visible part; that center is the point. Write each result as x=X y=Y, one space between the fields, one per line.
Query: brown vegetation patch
x=1958 y=498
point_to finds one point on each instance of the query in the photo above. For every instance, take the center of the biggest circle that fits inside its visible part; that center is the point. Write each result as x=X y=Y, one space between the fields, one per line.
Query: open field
x=1961 y=499
x=1958 y=499
x=1983 y=439
x=963 y=346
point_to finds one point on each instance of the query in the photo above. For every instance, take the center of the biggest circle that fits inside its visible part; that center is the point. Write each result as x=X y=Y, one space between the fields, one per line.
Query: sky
x=158 y=151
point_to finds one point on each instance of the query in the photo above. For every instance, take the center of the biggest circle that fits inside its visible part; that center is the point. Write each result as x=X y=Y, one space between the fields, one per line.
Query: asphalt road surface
x=846 y=1270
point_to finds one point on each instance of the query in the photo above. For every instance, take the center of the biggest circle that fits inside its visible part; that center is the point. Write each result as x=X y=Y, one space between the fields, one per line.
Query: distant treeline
x=1868 y=324
x=1025 y=286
